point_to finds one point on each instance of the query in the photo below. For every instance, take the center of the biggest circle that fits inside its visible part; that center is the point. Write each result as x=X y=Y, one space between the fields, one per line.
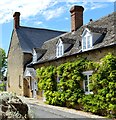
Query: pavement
x=63 y=109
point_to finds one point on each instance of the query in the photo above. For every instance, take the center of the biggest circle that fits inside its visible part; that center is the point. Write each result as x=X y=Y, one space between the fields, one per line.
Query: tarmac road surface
x=45 y=112
x=39 y=109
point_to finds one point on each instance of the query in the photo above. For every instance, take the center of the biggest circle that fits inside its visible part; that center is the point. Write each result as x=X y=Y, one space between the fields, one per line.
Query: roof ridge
x=101 y=18
x=43 y=29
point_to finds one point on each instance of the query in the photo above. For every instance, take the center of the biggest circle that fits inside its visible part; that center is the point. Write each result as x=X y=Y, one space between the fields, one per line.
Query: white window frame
x=34 y=56
x=87 y=34
x=59 y=49
x=87 y=73
x=58 y=79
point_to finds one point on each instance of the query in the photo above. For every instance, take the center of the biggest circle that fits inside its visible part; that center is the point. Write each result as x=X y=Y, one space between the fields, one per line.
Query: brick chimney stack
x=16 y=19
x=76 y=17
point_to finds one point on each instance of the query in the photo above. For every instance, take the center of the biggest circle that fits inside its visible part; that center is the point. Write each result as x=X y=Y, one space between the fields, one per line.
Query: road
x=46 y=112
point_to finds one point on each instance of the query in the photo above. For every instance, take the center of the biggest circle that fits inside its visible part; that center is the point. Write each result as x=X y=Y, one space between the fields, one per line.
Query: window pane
x=90 y=81
x=85 y=77
x=86 y=84
x=90 y=76
x=60 y=50
x=8 y=81
x=87 y=81
x=84 y=42
x=20 y=81
x=88 y=42
x=34 y=58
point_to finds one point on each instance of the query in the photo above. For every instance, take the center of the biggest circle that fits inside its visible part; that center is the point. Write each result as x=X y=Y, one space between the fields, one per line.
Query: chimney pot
x=16 y=20
x=91 y=20
x=76 y=17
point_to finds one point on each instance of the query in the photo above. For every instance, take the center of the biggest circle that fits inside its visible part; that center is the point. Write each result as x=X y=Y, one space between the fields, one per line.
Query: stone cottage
x=31 y=48
x=24 y=41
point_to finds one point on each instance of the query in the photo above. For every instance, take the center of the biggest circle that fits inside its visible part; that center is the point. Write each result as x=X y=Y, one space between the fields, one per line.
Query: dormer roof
x=68 y=40
x=40 y=50
x=97 y=29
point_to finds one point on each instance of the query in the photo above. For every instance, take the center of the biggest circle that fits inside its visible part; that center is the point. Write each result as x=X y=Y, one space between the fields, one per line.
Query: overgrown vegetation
x=103 y=101
x=2 y=86
x=68 y=91
x=3 y=63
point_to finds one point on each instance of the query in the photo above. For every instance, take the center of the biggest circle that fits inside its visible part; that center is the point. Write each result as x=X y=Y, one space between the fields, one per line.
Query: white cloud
x=26 y=7
x=31 y=8
x=75 y=1
x=38 y=22
x=97 y=5
x=49 y=14
x=66 y=18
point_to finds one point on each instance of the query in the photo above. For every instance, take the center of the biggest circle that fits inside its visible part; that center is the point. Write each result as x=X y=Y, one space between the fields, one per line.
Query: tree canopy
x=3 y=63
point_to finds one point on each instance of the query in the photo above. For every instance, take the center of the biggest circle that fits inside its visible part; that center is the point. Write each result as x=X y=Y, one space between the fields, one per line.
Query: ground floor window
x=19 y=81
x=87 y=81
x=58 y=79
x=8 y=81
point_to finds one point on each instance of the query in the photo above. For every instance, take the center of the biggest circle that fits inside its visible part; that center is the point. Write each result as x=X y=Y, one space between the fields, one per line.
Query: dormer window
x=59 y=48
x=38 y=53
x=92 y=36
x=86 y=40
x=34 y=56
x=64 y=45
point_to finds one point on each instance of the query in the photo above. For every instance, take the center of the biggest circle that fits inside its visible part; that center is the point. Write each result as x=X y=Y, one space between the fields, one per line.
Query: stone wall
x=15 y=67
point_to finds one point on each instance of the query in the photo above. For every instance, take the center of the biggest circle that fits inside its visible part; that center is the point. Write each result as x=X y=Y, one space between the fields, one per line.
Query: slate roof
x=97 y=29
x=30 y=38
x=105 y=26
x=39 y=50
x=68 y=40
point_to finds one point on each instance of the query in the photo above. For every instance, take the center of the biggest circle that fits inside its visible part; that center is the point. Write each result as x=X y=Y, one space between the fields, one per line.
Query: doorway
x=26 y=91
x=34 y=88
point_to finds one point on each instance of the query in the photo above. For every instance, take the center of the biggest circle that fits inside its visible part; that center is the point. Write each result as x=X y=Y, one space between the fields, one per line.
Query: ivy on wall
x=103 y=101
x=69 y=90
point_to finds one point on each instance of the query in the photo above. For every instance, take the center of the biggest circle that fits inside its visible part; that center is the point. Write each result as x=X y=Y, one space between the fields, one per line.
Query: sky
x=49 y=14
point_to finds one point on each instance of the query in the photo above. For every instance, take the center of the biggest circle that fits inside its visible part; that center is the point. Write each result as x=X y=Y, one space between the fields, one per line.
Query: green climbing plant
x=68 y=91
x=103 y=101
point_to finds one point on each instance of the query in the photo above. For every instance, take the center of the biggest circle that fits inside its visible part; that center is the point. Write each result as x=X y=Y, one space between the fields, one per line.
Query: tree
x=3 y=63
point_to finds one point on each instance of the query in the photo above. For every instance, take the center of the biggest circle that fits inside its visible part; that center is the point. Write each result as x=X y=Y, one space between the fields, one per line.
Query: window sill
x=87 y=93
x=87 y=49
x=59 y=56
